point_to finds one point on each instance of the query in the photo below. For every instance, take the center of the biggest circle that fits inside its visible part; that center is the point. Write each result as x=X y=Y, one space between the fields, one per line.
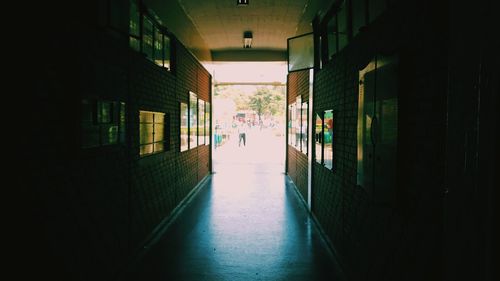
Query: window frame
x=93 y=122
x=207 y=123
x=332 y=14
x=332 y=138
x=146 y=14
x=298 y=122
x=304 y=131
x=181 y=147
x=291 y=69
x=192 y=142
x=290 y=124
x=320 y=138
x=201 y=122
x=163 y=141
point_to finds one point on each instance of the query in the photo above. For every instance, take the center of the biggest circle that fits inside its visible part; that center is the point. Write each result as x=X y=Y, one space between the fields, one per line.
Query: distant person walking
x=242 y=131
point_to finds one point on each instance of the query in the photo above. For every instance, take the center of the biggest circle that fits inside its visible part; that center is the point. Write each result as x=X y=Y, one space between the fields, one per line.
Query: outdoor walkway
x=246 y=223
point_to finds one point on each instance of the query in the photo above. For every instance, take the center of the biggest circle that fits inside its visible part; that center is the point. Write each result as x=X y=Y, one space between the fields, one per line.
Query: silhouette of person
x=242 y=131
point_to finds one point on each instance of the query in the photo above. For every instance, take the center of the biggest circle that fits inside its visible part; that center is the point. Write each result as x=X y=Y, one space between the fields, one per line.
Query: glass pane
x=158 y=47
x=193 y=120
x=159 y=118
x=159 y=132
x=159 y=146
x=303 y=134
x=146 y=149
x=293 y=129
x=301 y=52
x=147 y=38
x=184 y=127
x=134 y=43
x=146 y=117
x=112 y=135
x=342 y=27
x=298 y=122
x=166 y=52
x=318 y=138
x=134 y=19
x=104 y=112
x=207 y=123
x=145 y=133
x=201 y=122
x=122 y=122
x=290 y=133
x=328 y=139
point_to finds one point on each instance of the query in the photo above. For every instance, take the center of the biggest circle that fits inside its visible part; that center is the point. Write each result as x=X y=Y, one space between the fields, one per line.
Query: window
x=151 y=132
x=147 y=37
x=297 y=121
x=290 y=128
x=207 y=123
x=300 y=52
x=201 y=122
x=193 y=120
x=318 y=138
x=303 y=134
x=153 y=40
x=134 y=26
x=293 y=128
x=337 y=30
x=103 y=123
x=158 y=43
x=184 y=132
x=328 y=134
x=166 y=51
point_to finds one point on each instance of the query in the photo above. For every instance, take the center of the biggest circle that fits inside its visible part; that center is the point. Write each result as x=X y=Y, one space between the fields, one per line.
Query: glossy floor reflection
x=247 y=223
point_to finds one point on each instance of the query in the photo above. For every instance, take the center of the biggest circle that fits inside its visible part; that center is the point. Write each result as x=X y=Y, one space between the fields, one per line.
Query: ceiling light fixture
x=247 y=39
x=242 y=2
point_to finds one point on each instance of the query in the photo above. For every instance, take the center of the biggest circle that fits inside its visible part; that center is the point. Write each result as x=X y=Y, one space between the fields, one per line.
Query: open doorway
x=249 y=107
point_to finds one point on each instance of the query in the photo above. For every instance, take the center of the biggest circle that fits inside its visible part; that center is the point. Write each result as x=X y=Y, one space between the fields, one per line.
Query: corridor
x=133 y=173
x=245 y=223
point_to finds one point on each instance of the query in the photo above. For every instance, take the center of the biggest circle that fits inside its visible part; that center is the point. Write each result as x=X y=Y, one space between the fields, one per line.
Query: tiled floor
x=246 y=223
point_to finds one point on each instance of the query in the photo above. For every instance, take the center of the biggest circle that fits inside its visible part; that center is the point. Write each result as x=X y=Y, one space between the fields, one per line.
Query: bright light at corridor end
x=248 y=72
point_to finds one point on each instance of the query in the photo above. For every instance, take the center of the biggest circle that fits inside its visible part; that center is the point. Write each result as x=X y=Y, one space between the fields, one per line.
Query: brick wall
x=96 y=207
x=400 y=240
x=297 y=85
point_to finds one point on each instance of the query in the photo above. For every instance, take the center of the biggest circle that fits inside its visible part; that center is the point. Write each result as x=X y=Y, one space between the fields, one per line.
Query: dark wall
x=93 y=209
x=439 y=222
x=399 y=239
x=470 y=208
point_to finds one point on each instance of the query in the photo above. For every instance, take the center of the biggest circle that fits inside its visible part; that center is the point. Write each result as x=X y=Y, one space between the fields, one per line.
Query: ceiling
x=213 y=29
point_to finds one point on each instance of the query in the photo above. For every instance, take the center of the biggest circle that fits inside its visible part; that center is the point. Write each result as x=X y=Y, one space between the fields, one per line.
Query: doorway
x=248 y=123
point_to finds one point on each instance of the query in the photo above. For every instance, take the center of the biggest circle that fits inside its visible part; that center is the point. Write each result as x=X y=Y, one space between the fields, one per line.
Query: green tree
x=266 y=101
